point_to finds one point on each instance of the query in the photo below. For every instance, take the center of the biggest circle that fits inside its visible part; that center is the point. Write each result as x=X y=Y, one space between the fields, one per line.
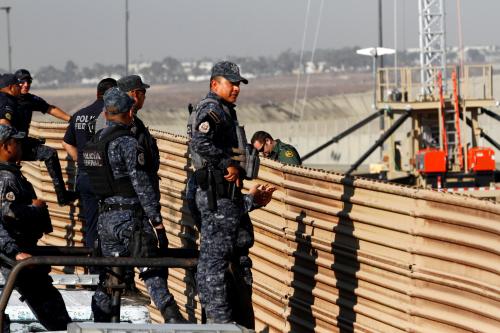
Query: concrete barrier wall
x=310 y=133
x=335 y=254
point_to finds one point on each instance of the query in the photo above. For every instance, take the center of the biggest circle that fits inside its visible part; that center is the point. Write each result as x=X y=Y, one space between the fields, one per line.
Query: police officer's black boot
x=172 y=315
x=6 y=323
x=64 y=197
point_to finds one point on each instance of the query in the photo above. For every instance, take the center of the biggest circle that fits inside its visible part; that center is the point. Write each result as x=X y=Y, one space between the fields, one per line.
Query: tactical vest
x=198 y=161
x=23 y=226
x=148 y=142
x=96 y=164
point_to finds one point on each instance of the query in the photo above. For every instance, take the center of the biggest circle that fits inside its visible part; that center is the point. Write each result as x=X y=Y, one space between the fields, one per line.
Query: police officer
x=76 y=136
x=30 y=102
x=218 y=196
x=19 y=114
x=24 y=219
x=136 y=89
x=9 y=90
x=275 y=149
x=115 y=164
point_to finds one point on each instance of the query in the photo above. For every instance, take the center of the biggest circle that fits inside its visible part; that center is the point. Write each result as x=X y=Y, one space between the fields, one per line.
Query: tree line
x=172 y=70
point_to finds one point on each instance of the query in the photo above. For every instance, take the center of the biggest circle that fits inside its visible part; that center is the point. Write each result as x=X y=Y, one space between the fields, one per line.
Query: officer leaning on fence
x=77 y=135
x=18 y=115
x=115 y=165
x=24 y=219
x=214 y=138
x=275 y=149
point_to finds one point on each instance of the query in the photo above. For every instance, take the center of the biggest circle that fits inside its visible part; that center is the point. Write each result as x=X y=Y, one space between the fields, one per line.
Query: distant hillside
x=167 y=104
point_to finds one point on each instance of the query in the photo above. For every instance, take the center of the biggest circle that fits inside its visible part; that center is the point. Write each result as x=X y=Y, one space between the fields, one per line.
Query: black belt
x=105 y=207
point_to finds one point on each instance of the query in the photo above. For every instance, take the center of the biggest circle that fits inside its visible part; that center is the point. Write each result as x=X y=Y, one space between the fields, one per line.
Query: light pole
x=9 y=48
x=126 y=37
x=376 y=52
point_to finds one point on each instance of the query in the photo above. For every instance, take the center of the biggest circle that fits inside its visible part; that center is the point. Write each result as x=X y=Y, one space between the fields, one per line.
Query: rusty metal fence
x=332 y=253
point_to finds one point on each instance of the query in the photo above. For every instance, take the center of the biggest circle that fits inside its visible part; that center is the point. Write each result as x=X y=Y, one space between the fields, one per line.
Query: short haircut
x=215 y=78
x=261 y=136
x=104 y=85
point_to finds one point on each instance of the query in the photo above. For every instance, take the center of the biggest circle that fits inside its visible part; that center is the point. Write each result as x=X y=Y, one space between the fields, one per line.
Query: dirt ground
x=258 y=91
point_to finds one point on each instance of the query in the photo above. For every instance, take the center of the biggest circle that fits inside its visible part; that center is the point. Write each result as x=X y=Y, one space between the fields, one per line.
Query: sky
x=51 y=32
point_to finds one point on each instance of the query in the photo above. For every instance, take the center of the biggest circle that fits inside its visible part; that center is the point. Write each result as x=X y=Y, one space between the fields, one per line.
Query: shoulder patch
x=8 y=116
x=204 y=127
x=289 y=153
x=140 y=159
x=10 y=196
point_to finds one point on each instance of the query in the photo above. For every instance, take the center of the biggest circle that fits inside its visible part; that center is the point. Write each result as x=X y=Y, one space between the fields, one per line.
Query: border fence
x=332 y=253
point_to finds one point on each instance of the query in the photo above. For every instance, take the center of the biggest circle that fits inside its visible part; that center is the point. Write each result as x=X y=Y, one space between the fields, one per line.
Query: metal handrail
x=181 y=258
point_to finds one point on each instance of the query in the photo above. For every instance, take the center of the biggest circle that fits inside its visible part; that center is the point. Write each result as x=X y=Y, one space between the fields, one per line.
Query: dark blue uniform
x=78 y=134
x=9 y=110
x=21 y=226
x=18 y=113
x=115 y=225
x=226 y=230
x=151 y=152
x=29 y=103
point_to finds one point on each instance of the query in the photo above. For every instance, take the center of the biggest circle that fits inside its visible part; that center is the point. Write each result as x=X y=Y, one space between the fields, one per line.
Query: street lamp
x=9 y=48
x=375 y=52
x=126 y=37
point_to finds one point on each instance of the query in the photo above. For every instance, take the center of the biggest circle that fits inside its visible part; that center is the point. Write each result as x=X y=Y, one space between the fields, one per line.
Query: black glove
x=162 y=238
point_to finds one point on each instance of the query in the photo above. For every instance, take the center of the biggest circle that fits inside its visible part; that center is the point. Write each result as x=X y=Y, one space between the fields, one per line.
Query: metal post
x=396 y=79
x=380 y=31
x=380 y=63
x=126 y=37
x=374 y=75
x=9 y=47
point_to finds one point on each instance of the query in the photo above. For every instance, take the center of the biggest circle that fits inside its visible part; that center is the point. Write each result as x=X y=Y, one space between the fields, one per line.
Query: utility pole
x=126 y=37
x=380 y=65
x=9 y=47
x=380 y=34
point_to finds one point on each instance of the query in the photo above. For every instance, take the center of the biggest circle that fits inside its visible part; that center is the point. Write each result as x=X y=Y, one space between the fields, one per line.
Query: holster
x=217 y=187
x=141 y=243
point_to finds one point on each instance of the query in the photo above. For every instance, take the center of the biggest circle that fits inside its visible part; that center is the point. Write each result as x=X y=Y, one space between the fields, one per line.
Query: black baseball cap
x=23 y=75
x=131 y=82
x=228 y=70
x=8 y=79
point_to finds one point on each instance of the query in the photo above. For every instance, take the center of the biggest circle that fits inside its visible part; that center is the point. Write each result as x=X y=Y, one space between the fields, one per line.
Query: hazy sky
x=50 y=32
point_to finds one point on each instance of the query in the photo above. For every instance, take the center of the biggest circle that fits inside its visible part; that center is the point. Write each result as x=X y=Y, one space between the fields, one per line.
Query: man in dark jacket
x=226 y=231
x=16 y=112
x=24 y=219
x=116 y=167
x=77 y=135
